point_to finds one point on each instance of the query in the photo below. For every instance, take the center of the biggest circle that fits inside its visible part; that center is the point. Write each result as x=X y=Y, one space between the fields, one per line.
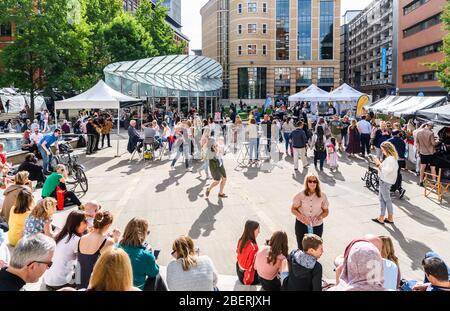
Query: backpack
x=320 y=145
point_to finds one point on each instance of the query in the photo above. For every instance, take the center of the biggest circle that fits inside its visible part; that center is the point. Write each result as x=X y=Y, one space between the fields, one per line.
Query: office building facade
x=275 y=47
x=345 y=42
x=372 y=59
x=420 y=41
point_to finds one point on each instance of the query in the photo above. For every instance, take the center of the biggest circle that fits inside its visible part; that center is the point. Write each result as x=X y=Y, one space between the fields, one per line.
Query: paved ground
x=174 y=203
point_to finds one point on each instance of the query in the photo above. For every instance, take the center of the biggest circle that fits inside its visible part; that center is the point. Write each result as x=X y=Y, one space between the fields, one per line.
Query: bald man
x=90 y=209
x=134 y=139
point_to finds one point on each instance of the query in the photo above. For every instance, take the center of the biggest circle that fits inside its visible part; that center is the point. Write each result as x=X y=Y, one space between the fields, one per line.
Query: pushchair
x=371 y=177
x=152 y=149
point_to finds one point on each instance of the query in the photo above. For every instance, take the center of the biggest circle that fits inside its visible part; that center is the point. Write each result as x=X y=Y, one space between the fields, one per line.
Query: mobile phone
x=156 y=253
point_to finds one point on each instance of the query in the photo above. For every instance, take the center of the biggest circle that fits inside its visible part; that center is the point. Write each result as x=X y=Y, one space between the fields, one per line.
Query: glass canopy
x=166 y=76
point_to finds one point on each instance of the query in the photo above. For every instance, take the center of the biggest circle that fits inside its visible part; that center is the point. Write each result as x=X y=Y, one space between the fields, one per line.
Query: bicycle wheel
x=81 y=178
x=71 y=171
x=54 y=160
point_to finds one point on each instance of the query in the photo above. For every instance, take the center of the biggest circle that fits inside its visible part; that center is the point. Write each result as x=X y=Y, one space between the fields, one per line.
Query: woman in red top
x=246 y=254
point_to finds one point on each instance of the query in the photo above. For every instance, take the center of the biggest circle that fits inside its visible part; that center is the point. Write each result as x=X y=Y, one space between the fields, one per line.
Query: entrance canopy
x=167 y=76
x=100 y=96
x=345 y=93
x=311 y=94
x=439 y=115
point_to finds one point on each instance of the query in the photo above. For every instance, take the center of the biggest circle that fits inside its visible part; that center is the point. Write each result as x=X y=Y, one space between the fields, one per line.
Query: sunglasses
x=48 y=263
x=313 y=182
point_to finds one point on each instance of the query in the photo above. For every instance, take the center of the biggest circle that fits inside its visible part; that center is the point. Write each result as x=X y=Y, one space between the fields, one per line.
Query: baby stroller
x=371 y=177
x=151 y=148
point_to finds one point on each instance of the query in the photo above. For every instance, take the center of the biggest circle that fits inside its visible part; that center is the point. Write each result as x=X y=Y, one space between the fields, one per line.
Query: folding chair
x=436 y=184
x=136 y=151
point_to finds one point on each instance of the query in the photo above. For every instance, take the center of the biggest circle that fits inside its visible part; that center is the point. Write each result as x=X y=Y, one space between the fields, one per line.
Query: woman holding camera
x=387 y=175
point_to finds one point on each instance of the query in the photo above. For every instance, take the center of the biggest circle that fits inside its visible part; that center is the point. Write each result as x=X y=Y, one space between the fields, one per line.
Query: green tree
x=153 y=19
x=126 y=39
x=38 y=48
x=443 y=67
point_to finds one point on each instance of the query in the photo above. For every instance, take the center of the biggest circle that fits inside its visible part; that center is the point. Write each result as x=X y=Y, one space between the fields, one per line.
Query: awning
x=439 y=115
x=345 y=93
x=311 y=94
x=382 y=105
x=416 y=103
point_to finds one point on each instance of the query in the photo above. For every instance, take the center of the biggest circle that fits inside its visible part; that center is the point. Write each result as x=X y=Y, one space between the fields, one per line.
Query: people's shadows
x=415 y=250
x=420 y=215
x=299 y=177
x=135 y=166
x=155 y=163
x=194 y=192
x=174 y=177
x=338 y=175
x=205 y=221
x=326 y=179
x=252 y=171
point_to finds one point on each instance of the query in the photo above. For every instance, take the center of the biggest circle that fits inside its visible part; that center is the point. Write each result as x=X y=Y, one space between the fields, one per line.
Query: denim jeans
x=253 y=148
x=45 y=158
x=286 y=140
x=384 y=195
x=379 y=153
x=319 y=156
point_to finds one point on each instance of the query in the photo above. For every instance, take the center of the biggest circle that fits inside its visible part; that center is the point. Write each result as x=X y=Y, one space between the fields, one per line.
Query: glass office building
x=326 y=29
x=304 y=29
x=175 y=81
x=282 y=30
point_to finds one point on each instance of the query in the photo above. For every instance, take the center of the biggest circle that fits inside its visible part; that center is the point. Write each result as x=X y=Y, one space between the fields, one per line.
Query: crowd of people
x=87 y=254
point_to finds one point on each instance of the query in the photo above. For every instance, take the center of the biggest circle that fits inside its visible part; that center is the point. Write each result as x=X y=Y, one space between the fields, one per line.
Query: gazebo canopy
x=100 y=96
x=345 y=93
x=312 y=94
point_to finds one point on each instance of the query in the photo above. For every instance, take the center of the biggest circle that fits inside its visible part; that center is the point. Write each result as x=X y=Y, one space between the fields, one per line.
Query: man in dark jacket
x=92 y=135
x=305 y=272
x=400 y=146
x=299 y=144
x=134 y=139
x=267 y=130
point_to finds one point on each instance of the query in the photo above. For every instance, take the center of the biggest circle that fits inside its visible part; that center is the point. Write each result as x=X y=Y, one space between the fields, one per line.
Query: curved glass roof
x=173 y=73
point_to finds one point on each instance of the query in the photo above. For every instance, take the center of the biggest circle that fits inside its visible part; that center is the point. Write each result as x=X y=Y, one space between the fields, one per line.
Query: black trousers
x=108 y=139
x=271 y=285
x=70 y=198
x=319 y=156
x=97 y=141
x=155 y=284
x=301 y=230
x=90 y=144
x=365 y=143
x=240 y=275
x=398 y=182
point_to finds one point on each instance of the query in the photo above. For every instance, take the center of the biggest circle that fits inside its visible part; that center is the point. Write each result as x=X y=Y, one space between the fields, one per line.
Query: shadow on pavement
x=206 y=220
x=415 y=250
x=420 y=215
x=194 y=192
x=174 y=177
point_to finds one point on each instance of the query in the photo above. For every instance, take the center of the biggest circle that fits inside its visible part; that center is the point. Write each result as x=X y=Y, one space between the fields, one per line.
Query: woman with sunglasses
x=61 y=274
x=143 y=260
x=309 y=207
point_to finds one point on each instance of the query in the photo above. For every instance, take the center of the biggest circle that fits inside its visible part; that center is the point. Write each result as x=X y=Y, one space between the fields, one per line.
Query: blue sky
x=192 y=22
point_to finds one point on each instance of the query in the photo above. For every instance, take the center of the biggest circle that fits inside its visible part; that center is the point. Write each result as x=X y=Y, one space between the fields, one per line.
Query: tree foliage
x=63 y=45
x=443 y=67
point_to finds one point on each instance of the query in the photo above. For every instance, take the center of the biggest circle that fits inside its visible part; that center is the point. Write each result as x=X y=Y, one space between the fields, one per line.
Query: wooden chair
x=435 y=184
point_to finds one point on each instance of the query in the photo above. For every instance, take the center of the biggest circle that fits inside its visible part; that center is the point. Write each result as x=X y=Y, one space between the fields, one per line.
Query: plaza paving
x=174 y=203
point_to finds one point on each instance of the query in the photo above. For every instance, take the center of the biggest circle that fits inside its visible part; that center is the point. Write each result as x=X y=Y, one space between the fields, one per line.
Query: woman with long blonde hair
x=112 y=272
x=309 y=207
x=189 y=271
x=388 y=170
x=391 y=265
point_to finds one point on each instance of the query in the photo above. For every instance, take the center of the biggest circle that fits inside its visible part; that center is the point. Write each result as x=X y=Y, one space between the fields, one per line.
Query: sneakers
x=402 y=193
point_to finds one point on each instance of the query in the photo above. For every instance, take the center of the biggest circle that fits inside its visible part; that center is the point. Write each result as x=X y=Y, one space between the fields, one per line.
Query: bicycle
x=371 y=177
x=75 y=170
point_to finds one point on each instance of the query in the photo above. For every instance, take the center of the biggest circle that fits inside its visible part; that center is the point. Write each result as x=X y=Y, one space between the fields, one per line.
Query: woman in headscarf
x=362 y=269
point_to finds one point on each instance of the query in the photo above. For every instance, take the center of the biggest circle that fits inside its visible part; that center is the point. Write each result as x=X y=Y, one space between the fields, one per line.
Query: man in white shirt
x=36 y=136
x=365 y=130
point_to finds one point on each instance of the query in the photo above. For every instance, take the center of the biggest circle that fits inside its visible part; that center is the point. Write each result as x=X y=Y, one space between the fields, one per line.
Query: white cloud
x=192 y=21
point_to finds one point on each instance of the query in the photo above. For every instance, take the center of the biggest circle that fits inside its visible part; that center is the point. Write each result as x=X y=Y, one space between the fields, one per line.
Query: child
x=220 y=149
x=90 y=209
x=331 y=155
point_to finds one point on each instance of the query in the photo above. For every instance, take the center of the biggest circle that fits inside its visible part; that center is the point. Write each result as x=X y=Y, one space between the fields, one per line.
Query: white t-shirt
x=390 y=271
x=36 y=137
x=64 y=261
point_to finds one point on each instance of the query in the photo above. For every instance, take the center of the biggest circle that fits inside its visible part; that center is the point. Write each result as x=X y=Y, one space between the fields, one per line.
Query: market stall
x=345 y=98
x=439 y=115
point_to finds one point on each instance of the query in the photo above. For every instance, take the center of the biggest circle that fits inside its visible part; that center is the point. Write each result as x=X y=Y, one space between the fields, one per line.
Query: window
x=239 y=9
x=304 y=76
x=304 y=30
x=239 y=51
x=5 y=30
x=264 y=28
x=264 y=8
x=422 y=51
x=413 y=5
x=252 y=7
x=326 y=75
x=429 y=22
x=240 y=29
x=251 y=28
x=251 y=49
x=326 y=29
x=420 y=77
x=264 y=49
x=282 y=30
x=283 y=74
x=252 y=83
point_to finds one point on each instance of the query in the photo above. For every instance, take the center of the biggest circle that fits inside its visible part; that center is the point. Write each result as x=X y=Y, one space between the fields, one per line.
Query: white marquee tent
x=100 y=96
x=311 y=94
x=345 y=93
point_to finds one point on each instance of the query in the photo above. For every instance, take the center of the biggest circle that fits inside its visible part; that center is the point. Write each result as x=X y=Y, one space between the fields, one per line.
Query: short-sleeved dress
x=34 y=225
x=217 y=169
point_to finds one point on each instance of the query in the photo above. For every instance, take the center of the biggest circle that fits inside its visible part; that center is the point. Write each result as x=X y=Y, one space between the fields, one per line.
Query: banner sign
x=383 y=60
